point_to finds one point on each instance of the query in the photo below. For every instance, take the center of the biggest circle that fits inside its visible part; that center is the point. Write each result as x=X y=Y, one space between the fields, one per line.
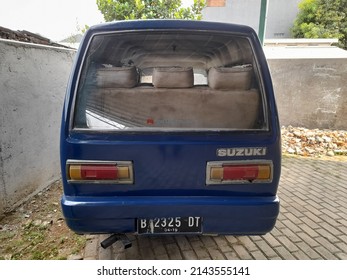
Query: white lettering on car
x=241 y=152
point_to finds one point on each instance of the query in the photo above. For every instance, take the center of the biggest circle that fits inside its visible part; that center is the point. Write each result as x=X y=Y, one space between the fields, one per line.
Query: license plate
x=169 y=225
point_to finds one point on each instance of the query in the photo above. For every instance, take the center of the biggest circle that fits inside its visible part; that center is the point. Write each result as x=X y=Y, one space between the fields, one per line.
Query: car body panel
x=170 y=166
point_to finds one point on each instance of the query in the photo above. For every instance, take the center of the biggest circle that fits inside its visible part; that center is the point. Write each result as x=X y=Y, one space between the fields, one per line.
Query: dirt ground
x=36 y=230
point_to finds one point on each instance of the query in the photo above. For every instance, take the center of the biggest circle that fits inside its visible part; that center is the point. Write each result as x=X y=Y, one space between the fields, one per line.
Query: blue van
x=170 y=127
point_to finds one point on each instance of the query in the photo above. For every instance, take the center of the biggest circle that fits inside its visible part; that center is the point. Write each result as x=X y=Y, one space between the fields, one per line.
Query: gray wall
x=33 y=80
x=280 y=17
x=311 y=92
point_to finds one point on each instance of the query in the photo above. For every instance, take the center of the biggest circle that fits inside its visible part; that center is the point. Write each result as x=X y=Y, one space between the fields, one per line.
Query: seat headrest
x=230 y=78
x=117 y=77
x=173 y=77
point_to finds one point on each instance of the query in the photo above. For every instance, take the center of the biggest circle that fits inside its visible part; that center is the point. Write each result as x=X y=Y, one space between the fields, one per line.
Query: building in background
x=280 y=17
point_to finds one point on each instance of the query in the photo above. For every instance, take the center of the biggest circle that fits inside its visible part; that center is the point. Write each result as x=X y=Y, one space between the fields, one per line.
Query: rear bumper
x=220 y=215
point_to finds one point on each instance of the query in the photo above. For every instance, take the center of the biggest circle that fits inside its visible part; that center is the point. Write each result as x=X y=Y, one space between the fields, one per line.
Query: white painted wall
x=280 y=16
x=280 y=19
x=33 y=80
x=235 y=11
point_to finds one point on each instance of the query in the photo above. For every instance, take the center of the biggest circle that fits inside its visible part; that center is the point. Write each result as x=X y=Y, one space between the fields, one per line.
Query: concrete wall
x=311 y=93
x=310 y=83
x=33 y=80
x=280 y=17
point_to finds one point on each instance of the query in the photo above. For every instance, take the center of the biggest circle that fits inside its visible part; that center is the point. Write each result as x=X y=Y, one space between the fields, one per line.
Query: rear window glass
x=169 y=80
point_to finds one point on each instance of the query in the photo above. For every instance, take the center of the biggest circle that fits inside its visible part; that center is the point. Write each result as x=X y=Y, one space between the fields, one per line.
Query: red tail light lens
x=236 y=172
x=115 y=172
x=94 y=172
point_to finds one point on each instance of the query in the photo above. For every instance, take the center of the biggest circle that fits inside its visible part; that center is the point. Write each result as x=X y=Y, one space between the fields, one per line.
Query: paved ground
x=312 y=224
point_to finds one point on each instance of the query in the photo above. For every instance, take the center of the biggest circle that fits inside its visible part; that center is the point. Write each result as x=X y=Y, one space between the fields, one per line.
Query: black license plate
x=169 y=225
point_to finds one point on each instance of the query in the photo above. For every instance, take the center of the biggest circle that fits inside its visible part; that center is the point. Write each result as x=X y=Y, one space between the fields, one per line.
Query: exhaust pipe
x=115 y=238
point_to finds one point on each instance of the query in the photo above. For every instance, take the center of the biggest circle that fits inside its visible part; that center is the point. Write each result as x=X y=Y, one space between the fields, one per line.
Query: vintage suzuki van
x=170 y=127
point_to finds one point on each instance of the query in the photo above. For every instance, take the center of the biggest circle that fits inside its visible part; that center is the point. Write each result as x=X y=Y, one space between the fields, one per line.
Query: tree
x=322 y=19
x=149 y=9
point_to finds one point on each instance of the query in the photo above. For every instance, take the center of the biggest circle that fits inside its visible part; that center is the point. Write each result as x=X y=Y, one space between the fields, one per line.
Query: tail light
x=120 y=172
x=230 y=172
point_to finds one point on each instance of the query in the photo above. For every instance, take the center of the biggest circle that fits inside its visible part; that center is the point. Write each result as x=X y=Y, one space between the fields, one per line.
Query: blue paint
x=170 y=167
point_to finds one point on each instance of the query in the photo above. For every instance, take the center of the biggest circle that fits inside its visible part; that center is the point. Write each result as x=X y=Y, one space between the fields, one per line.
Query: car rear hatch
x=171 y=111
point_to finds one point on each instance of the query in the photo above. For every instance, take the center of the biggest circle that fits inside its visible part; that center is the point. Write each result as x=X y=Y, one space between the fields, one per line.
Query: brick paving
x=312 y=224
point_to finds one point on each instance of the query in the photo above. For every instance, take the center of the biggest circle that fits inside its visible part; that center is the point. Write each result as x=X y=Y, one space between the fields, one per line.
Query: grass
x=37 y=231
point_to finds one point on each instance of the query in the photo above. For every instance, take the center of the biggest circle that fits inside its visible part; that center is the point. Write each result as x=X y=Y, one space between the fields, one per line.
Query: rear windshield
x=169 y=80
